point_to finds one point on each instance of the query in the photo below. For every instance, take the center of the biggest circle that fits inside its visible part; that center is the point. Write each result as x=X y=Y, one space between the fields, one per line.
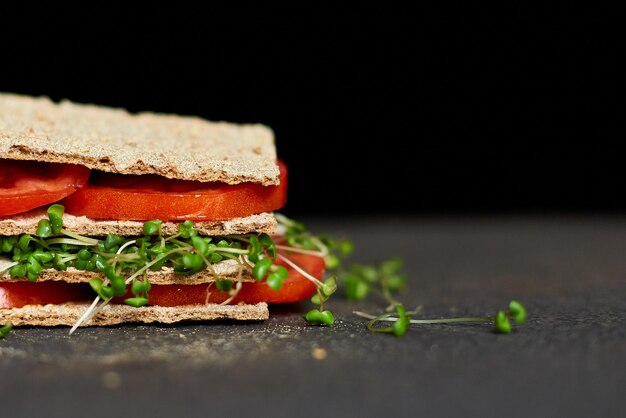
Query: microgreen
x=121 y=264
x=500 y=321
x=5 y=330
x=118 y=263
x=383 y=281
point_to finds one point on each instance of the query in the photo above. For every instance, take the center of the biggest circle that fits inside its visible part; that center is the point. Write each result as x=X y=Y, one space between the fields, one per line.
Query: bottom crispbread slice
x=69 y=313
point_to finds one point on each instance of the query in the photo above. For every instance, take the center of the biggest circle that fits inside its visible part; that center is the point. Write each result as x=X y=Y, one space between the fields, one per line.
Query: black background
x=451 y=108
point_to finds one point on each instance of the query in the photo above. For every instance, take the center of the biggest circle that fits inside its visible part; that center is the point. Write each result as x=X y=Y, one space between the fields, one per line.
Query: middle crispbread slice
x=226 y=269
x=26 y=223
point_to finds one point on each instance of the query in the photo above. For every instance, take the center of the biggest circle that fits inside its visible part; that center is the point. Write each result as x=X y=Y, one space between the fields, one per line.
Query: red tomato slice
x=146 y=197
x=295 y=288
x=18 y=294
x=25 y=185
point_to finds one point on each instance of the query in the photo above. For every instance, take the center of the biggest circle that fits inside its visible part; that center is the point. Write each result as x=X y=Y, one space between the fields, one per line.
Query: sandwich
x=108 y=217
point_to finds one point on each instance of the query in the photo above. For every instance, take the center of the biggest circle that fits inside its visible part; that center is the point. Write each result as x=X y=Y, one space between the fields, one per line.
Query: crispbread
x=113 y=140
x=226 y=269
x=26 y=223
x=69 y=313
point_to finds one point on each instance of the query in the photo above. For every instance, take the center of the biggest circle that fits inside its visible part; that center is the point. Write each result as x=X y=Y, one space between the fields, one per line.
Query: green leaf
x=400 y=326
x=200 y=245
x=140 y=287
x=44 y=229
x=24 y=242
x=254 y=249
x=55 y=214
x=193 y=262
x=152 y=227
x=261 y=268
x=186 y=229
x=345 y=248
x=502 y=324
x=274 y=281
x=355 y=289
x=136 y=302
x=315 y=317
x=269 y=245
x=6 y=329
x=224 y=285
x=330 y=286
x=5 y=245
x=517 y=311
x=112 y=241
x=332 y=262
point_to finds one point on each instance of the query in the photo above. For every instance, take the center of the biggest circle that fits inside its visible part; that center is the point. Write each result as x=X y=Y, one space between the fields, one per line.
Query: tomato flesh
x=295 y=288
x=25 y=185
x=146 y=197
x=18 y=294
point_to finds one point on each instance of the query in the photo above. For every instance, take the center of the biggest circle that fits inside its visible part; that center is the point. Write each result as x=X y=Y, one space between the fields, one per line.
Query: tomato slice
x=25 y=185
x=295 y=288
x=18 y=294
x=146 y=197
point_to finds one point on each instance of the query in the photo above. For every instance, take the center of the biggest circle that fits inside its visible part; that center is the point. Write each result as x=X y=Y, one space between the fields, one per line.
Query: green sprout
x=500 y=320
x=119 y=264
x=5 y=330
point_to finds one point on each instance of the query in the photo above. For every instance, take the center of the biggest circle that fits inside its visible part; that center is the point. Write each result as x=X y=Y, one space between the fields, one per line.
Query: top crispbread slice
x=114 y=140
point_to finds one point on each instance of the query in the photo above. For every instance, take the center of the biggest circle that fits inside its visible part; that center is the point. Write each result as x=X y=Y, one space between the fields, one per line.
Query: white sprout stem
x=68 y=241
x=282 y=219
x=153 y=262
x=85 y=315
x=85 y=240
x=301 y=250
x=230 y=250
x=301 y=271
x=424 y=321
x=125 y=246
x=69 y=258
x=7 y=267
x=92 y=309
x=208 y=293
x=237 y=288
x=230 y=299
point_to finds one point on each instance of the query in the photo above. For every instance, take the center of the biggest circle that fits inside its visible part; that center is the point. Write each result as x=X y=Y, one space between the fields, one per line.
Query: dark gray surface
x=568 y=360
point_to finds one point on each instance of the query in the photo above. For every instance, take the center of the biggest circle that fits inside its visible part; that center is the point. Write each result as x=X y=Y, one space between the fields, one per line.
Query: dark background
x=448 y=109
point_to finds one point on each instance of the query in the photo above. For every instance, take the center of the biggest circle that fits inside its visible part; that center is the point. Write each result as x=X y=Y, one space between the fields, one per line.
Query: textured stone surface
x=568 y=360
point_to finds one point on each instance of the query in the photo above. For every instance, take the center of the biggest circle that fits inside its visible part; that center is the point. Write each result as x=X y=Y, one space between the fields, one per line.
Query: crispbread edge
x=225 y=269
x=26 y=223
x=113 y=140
x=69 y=313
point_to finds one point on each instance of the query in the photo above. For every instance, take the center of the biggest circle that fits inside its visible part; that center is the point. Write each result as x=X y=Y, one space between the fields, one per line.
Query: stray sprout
x=500 y=320
x=5 y=330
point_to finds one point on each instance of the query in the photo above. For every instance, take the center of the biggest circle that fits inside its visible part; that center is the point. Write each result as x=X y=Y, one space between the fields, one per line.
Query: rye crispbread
x=225 y=269
x=69 y=313
x=26 y=223
x=113 y=140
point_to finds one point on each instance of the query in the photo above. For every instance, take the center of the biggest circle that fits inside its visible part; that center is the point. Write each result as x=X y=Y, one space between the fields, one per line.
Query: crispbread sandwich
x=109 y=217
